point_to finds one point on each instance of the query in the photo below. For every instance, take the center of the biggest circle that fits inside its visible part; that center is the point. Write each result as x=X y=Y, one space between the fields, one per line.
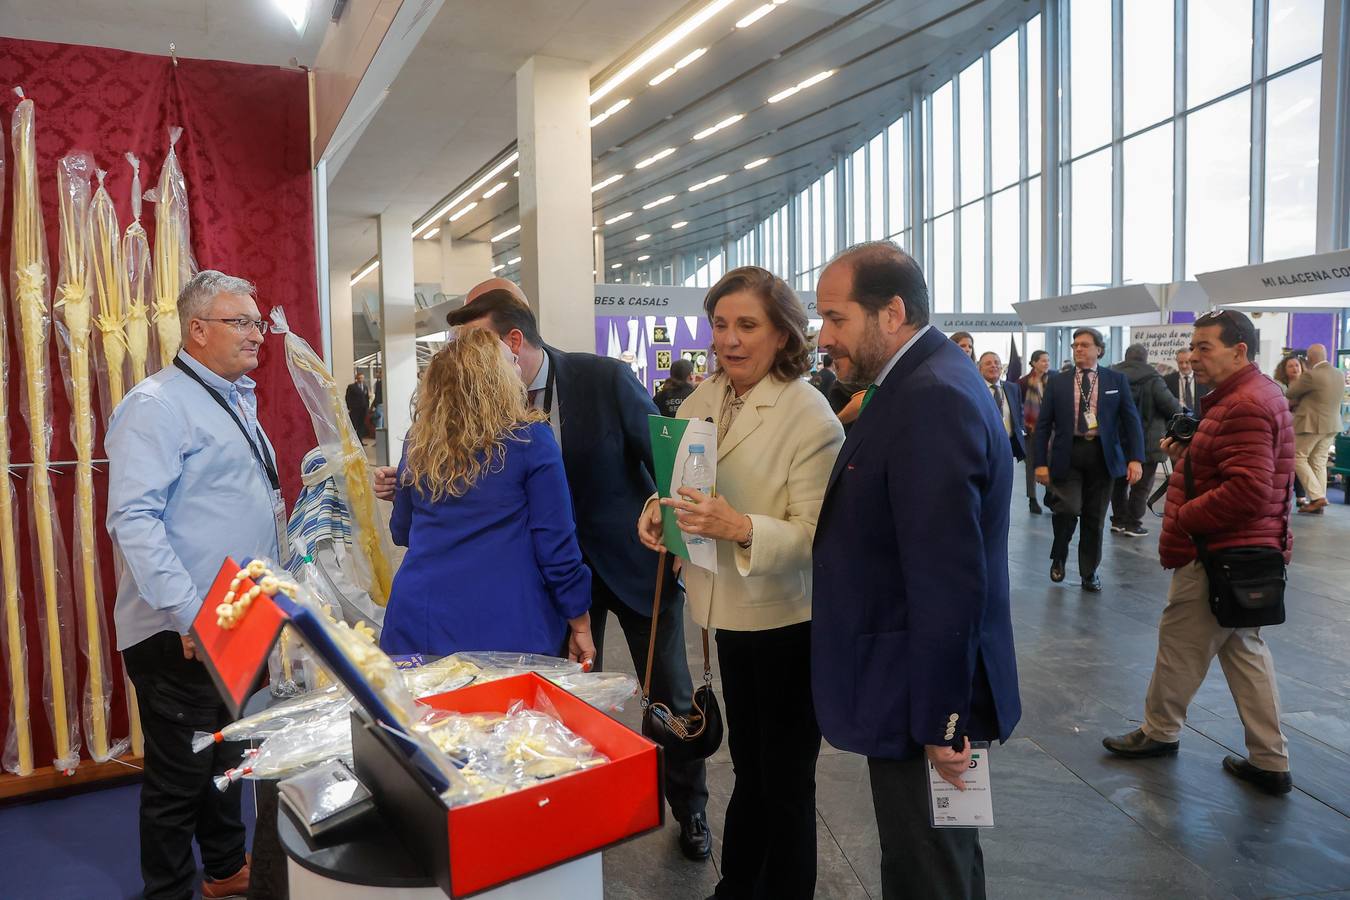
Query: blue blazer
x=911 y=635
x=607 y=452
x=1012 y=394
x=495 y=569
x=1118 y=427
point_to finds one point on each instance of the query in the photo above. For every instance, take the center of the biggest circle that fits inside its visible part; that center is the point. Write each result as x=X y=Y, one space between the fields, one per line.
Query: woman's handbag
x=1246 y=584
x=683 y=738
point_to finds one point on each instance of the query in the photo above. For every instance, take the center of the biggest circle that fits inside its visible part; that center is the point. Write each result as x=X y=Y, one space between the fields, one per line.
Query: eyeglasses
x=244 y=325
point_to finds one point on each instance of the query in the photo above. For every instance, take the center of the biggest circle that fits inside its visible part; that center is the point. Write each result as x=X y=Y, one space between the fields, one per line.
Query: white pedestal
x=581 y=879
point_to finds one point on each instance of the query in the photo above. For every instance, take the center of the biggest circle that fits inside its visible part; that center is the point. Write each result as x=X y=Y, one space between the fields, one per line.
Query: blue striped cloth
x=319 y=514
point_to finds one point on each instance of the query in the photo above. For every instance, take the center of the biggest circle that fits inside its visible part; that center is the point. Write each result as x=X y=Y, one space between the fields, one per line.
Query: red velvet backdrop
x=245 y=155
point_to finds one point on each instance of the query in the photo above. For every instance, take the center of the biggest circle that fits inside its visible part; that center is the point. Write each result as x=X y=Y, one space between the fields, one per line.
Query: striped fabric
x=319 y=514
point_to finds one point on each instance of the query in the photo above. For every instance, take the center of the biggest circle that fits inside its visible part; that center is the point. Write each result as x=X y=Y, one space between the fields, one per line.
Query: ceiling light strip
x=472 y=189
x=662 y=44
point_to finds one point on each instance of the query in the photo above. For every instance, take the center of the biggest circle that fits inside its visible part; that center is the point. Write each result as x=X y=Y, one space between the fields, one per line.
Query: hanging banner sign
x=1163 y=341
x=1314 y=277
x=1130 y=300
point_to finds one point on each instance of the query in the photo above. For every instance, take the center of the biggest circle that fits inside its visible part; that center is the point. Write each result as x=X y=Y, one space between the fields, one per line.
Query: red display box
x=473 y=848
x=236 y=657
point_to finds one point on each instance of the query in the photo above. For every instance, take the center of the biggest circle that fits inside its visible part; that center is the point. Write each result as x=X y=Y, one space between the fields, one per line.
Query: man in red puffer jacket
x=1242 y=460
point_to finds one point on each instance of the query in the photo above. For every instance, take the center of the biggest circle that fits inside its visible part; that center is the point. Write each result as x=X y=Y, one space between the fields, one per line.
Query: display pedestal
x=374 y=864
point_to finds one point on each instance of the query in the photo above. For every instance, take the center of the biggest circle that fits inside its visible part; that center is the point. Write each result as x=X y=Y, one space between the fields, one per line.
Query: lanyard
x=549 y=379
x=264 y=459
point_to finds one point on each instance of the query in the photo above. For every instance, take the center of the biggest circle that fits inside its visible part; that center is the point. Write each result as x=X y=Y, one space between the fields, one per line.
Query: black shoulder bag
x=683 y=738
x=1246 y=584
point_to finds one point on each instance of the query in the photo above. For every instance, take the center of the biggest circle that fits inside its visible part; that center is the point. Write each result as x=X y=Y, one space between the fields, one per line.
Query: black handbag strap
x=651 y=641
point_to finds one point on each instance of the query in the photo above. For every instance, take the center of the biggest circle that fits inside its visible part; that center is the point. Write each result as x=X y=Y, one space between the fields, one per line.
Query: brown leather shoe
x=1314 y=507
x=234 y=886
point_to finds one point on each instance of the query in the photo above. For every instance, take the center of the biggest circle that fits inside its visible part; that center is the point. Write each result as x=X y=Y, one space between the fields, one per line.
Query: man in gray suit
x=1316 y=397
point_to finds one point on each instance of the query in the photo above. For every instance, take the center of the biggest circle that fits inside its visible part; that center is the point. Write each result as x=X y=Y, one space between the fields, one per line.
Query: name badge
x=971 y=808
x=279 y=517
x=1091 y=418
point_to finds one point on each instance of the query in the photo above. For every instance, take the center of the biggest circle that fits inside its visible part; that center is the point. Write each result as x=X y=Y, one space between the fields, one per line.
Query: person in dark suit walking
x=1156 y=407
x=598 y=412
x=1008 y=399
x=358 y=404
x=911 y=640
x=1087 y=436
x=1183 y=385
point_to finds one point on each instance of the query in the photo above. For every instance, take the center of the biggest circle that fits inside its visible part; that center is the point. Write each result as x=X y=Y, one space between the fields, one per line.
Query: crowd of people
x=860 y=521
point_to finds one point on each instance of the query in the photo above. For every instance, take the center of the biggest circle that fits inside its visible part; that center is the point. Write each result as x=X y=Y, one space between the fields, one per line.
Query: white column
x=463 y=264
x=342 y=357
x=1333 y=172
x=553 y=136
x=398 y=326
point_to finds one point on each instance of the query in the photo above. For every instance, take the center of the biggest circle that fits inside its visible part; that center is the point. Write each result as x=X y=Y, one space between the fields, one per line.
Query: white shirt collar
x=541 y=377
x=886 y=370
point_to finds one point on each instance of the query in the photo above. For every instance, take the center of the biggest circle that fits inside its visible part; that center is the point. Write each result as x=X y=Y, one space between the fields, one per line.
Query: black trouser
x=686 y=783
x=1030 y=463
x=1082 y=493
x=1130 y=501
x=769 y=841
x=918 y=860
x=179 y=801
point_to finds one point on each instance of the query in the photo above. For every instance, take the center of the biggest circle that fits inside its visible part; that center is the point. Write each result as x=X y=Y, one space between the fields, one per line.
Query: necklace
x=236 y=603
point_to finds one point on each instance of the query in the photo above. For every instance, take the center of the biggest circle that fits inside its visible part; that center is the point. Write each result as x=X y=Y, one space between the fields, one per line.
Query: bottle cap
x=695 y=448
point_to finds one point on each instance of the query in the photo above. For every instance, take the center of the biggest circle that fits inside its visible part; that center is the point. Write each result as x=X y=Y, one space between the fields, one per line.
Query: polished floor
x=1073 y=822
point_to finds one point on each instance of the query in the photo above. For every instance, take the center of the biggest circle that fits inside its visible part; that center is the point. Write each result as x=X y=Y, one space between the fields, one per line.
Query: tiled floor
x=1074 y=822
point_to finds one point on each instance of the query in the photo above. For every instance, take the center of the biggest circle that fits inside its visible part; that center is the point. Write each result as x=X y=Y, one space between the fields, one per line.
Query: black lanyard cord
x=262 y=456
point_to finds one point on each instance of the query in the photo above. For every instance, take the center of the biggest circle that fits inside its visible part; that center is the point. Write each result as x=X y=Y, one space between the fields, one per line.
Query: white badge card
x=971 y=808
x=279 y=515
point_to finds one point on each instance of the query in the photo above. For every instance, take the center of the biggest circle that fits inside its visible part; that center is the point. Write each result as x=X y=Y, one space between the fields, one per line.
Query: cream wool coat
x=773 y=466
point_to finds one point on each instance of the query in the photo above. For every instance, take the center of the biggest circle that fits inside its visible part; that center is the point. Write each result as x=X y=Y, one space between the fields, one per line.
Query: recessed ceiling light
x=297 y=11
x=755 y=15
x=655 y=158
x=655 y=203
x=802 y=85
x=513 y=260
x=375 y=264
x=643 y=237
x=617 y=266
x=499 y=267
x=611 y=111
x=678 y=225
x=644 y=257
x=664 y=43
x=713 y=129
x=505 y=234
x=661 y=76
x=690 y=57
x=619 y=218
x=757 y=163
x=472 y=189
x=515 y=174
x=495 y=190
x=604 y=183
x=464 y=212
x=431 y=234
x=706 y=183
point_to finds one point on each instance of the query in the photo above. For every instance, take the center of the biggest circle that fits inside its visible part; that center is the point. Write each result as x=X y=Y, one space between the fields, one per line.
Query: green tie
x=867 y=397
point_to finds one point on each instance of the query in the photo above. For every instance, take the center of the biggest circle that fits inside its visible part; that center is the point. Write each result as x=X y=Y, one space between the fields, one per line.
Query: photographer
x=1227 y=508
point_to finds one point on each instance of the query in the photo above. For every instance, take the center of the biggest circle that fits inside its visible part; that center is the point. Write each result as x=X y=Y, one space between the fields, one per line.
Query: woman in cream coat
x=777 y=441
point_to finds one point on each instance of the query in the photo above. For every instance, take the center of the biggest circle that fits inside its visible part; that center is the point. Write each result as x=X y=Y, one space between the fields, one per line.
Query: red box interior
x=499 y=840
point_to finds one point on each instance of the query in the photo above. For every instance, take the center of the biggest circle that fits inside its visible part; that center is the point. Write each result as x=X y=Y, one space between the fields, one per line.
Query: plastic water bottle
x=697 y=476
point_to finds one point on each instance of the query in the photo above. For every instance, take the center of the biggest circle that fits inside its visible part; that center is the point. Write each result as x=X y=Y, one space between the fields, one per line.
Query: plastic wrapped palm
x=18 y=752
x=31 y=300
x=173 y=265
x=136 y=258
x=110 y=291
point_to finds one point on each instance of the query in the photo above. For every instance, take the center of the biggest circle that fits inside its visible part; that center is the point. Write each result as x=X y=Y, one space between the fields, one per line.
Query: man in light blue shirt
x=192 y=479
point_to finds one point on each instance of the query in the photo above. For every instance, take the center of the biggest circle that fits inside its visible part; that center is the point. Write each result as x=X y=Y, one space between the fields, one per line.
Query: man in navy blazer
x=1088 y=434
x=911 y=640
x=599 y=412
x=1007 y=398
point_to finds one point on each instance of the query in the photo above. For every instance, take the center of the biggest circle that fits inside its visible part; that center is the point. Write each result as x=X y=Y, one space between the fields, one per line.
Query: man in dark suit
x=1088 y=435
x=358 y=404
x=1008 y=400
x=911 y=640
x=1183 y=385
x=599 y=415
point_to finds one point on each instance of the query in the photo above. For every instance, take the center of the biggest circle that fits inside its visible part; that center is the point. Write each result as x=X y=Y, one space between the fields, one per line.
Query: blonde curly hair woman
x=483 y=508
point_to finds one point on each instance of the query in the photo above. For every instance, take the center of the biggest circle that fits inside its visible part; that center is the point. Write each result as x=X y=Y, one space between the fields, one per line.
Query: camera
x=1181 y=428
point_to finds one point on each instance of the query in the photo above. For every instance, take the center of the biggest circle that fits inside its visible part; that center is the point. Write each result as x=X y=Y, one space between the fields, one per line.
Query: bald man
x=1316 y=397
x=599 y=414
